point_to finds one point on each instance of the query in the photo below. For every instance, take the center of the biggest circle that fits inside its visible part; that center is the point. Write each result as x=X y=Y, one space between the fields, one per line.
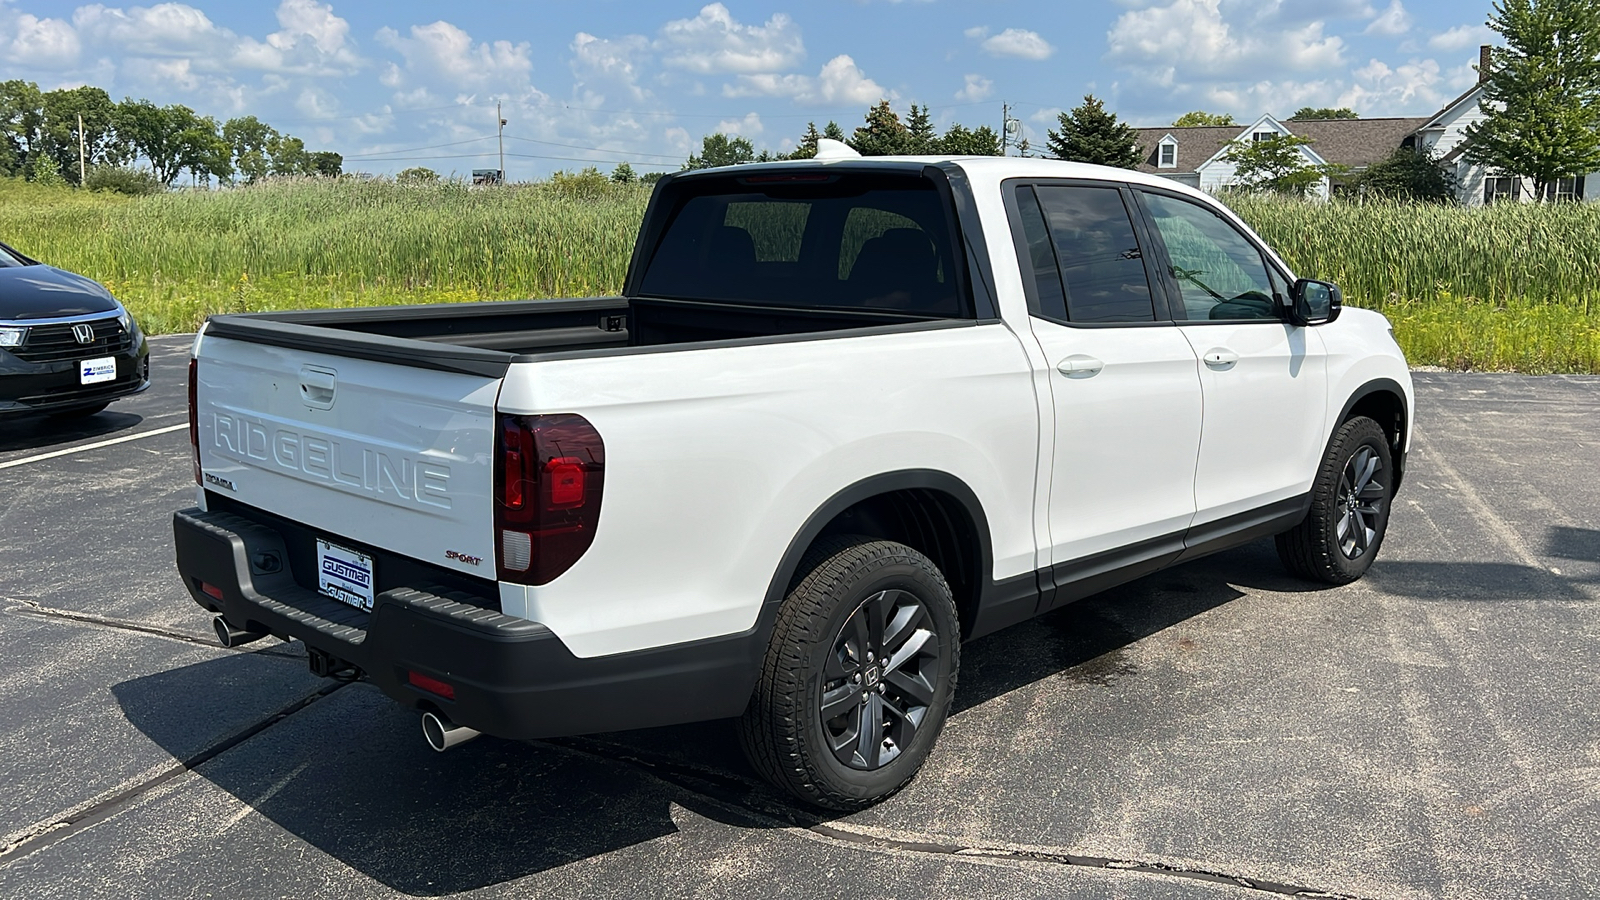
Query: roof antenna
x=828 y=148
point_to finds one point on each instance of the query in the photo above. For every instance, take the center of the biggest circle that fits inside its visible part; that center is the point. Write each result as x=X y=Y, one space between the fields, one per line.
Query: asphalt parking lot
x=1217 y=730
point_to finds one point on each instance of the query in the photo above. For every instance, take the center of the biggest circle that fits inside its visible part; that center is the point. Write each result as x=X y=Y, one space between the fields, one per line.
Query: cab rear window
x=853 y=242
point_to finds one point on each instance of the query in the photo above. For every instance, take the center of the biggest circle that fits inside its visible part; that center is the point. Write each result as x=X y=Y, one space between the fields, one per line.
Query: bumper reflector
x=211 y=590
x=431 y=685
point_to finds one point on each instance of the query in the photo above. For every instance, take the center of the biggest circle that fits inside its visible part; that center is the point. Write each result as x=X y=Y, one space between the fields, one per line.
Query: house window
x=1260 y=136
x=1502 y=189
x=1169 y=156
x=1568 y=189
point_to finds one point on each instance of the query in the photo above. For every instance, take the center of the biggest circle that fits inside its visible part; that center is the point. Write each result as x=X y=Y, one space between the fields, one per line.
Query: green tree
x=623 y=174
x=959 y=140
x=44 y=171
x=202 y=150
x=250 y=140
x=721 y=150
x=21 y=125
x=1201 y=117
x=921 y=138
x=417 y=175
x=1089 y=134
x=882 y=135
x=833 y=132
x=1306 y=113
x=60 y=112
x=1542 y=93
x=325 y=164
x=1276 y=164
x=161 y=134
x=1408 y=174
x=288 y=155
x=808 y=143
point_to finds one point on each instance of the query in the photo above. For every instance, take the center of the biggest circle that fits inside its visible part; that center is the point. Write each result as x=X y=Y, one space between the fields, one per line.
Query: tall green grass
x=178 y=257
x=1507 y=287
x=1510 y=287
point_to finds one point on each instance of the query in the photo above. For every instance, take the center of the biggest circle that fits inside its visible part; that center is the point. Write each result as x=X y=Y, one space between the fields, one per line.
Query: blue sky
x=404 y=83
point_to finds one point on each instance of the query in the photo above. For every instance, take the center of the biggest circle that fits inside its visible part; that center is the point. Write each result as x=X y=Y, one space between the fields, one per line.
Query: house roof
x=1350 y=142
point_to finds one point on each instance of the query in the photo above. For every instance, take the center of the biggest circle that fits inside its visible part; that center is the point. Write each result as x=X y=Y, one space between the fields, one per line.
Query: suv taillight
x=549 y=473
x=194 y=419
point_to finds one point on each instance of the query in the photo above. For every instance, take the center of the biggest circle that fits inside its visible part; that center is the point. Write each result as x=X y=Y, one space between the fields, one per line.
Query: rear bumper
x=511 y=677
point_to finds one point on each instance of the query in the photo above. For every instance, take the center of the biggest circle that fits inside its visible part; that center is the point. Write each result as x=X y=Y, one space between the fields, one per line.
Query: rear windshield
x=855 y=242
x=7 y=258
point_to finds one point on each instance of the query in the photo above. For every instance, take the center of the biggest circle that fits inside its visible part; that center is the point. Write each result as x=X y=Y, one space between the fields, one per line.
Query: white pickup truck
x=846 y=414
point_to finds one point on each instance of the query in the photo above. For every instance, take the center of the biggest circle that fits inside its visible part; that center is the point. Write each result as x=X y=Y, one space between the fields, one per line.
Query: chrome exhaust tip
x=442 y=734
x=229 y=636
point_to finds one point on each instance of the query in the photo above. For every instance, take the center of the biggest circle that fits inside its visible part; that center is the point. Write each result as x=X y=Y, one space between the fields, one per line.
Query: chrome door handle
x=1080 y=366
x=1221 y=358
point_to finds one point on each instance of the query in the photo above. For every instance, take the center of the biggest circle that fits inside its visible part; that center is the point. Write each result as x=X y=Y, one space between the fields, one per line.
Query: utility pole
x=502 y=133
x=83 y=169
x=1005 y=119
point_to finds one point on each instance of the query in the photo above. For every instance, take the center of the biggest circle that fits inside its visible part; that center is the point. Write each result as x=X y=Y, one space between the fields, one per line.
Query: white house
x=1195 y=155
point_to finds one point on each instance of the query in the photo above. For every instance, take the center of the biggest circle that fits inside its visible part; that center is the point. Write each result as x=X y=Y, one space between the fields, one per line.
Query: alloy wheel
x=879 y=679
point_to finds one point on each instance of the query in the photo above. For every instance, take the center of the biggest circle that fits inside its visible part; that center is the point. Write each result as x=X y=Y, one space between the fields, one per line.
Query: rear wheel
x=858 y=677
x=1339 y=537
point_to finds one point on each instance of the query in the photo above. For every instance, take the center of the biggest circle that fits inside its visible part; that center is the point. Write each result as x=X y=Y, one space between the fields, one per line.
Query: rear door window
x=1087 y=265
x=856 y=242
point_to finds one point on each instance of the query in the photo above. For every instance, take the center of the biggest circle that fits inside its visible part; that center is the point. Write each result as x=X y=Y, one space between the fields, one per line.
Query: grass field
x=1505 y=288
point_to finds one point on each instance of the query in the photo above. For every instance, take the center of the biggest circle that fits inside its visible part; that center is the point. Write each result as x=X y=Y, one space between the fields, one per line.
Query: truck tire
x=832 y=721
x=1339 y=537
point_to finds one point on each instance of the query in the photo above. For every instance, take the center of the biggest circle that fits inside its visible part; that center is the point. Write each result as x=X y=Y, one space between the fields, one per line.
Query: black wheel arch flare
x=1384 y=401
x=928 y=506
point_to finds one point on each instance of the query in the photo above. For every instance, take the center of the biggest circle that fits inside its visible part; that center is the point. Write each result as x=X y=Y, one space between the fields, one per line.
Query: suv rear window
x=854 y=242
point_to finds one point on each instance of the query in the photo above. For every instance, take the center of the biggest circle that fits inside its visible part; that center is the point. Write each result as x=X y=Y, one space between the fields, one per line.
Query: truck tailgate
x=372 y=452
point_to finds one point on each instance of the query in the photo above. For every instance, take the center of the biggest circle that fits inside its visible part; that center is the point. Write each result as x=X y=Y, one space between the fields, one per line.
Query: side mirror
x=1314 y=302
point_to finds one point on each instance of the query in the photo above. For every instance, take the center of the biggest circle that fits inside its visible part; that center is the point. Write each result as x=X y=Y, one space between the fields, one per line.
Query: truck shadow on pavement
x=351 y=776
x=46 y=433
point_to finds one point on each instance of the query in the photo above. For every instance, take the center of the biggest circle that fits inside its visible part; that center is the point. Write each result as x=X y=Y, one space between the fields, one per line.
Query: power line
x=580 y=147
x=379 y=153
x=491 y=154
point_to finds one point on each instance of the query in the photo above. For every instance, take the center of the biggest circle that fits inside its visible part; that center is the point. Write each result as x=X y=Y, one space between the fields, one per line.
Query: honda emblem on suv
x=84 y=333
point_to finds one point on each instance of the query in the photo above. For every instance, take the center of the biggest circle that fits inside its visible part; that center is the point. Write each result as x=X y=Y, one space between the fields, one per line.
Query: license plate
x=94 y=371
x=344 y=574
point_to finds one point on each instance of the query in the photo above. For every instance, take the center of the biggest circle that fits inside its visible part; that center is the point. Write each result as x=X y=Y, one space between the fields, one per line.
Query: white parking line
x=95 y=446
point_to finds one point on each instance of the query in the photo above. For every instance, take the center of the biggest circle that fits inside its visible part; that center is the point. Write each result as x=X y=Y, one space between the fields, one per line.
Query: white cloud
x=713 y=42
x=166 y=29
x=1462 y=37
x=43 y=43
x=618 y=62
x=748 y=127
x=1192 y=36
x=445 y=52
x=840 y=83
x=312 y=41
x=976 y=88
x=1018 y=44
x=1392 y=22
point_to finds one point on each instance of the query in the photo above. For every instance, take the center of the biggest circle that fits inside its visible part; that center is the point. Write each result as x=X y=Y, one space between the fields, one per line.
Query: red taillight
x=211 y=590
x=194 y=419
x=564 y=478
x=551 y=475
x=431 y=685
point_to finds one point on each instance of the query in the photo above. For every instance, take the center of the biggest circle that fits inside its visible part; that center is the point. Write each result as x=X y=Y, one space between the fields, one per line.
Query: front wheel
x=858 y=677
x=1339 y=537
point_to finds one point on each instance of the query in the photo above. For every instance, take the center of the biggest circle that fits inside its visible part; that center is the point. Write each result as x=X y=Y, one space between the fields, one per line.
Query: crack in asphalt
x=32 y=609
x=84 y=817
x=744 y=797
